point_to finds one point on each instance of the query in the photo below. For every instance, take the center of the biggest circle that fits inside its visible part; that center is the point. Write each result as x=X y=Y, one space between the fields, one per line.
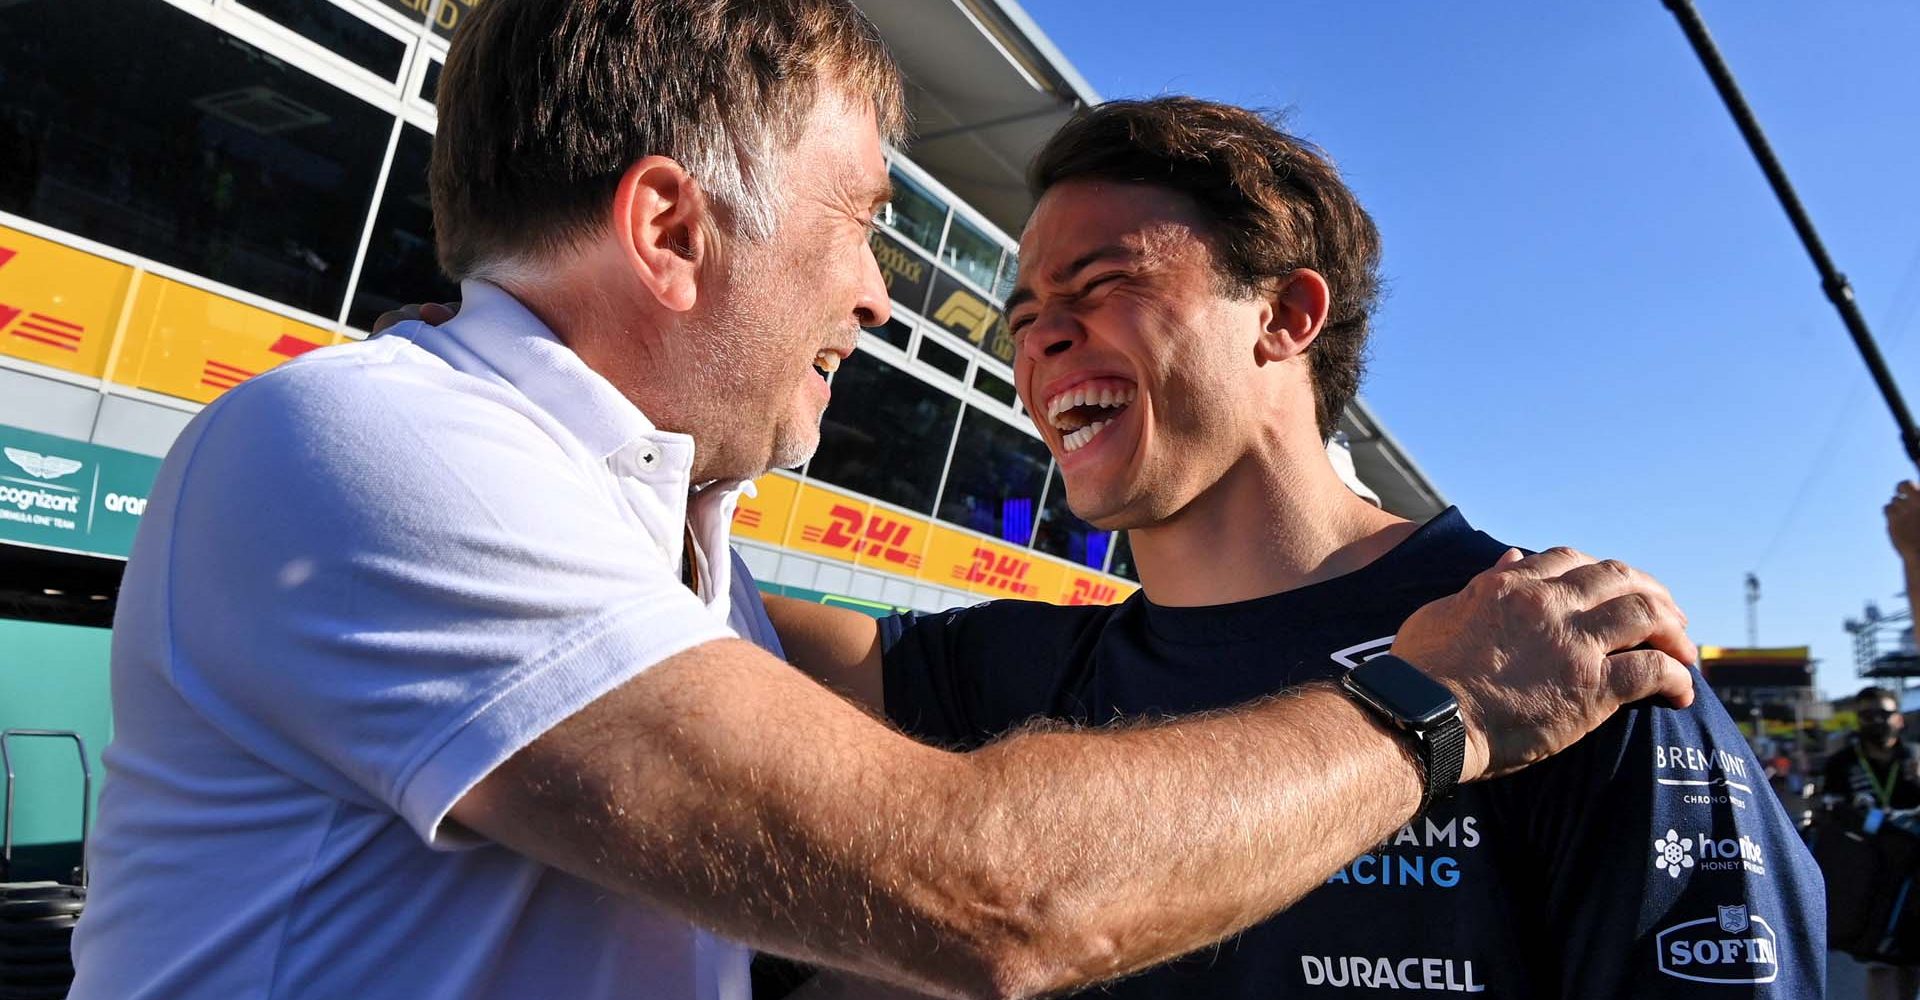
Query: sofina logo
x=42 y=466
x=1733 y=946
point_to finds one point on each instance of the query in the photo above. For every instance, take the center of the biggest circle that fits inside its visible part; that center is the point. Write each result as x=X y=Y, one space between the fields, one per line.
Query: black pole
x=1831 y=280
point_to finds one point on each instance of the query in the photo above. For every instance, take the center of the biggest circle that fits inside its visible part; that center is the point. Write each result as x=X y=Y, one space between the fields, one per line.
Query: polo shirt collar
x=517 y=347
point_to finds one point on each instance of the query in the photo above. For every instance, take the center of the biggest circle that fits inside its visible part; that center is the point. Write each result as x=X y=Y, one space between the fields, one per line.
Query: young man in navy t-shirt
x=1190 y=316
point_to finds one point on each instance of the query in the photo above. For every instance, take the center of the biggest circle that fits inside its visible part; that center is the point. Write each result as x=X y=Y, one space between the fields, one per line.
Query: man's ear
x=1295 y=311
x=659 y=216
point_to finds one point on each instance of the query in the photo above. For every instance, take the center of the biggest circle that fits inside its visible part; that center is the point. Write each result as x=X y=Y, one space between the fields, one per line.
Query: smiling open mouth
x=1082 y=412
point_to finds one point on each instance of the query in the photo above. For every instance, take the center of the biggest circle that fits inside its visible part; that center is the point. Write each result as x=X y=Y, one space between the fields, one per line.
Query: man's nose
x=873 y=307
x=1051 y=333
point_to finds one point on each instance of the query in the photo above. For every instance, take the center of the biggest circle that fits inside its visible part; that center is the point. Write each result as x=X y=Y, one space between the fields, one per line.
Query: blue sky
x=1600 y=329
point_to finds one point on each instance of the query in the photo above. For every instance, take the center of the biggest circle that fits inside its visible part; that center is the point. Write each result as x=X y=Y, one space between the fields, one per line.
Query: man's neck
x=1880 y=752
x=1266 y=527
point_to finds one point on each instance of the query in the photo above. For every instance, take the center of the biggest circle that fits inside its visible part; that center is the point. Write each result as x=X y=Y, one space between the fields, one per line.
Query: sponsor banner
x=818 y=520
x=962 y=310
x=765 y=516
x=1709 y=776
x=1732 y=946
x=969 y=562
x=908 y=275
x=1080 y=587
x=852 y=530
x=58 y=305
x=1367 y=972
x=449 y=14
x=71 y=495
x=195 y=345
x=875 y=609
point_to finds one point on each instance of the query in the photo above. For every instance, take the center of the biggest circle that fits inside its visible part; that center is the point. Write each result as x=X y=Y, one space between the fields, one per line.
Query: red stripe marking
x=56 y=321
x=218 y=385
x=50 y=343
x=27 y=324
x=241 y=372
x=292 y=346
x=6 y=254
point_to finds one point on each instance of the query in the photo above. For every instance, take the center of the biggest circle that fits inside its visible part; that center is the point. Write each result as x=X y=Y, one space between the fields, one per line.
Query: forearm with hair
x=756 y=803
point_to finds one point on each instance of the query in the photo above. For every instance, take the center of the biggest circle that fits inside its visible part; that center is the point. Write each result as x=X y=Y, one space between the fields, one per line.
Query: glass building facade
x=219 y=185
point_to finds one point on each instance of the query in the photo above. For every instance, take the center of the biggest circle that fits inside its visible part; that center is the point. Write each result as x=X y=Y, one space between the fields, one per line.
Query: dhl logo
x=860 y=534
x=39 y=327
x=998 y=571
x=746 y=517
x=223 y=376
x=965 y=312
x=1092 y=592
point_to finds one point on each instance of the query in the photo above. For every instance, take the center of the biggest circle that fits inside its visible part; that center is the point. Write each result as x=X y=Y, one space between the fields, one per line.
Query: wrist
x=1422 y=713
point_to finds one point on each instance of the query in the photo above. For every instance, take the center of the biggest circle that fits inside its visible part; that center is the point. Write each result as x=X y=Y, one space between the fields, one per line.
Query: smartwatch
x=1423 y=711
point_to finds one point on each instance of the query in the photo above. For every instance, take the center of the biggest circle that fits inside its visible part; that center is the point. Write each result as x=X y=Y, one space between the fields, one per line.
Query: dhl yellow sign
x=193 y=344
x=764 y=517
x=843 y=527
x=58 y=306
x=811 y=518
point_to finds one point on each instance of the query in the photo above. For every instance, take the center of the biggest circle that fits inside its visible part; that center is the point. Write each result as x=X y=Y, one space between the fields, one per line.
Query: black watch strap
x=1444 y=759
x=1422 y=712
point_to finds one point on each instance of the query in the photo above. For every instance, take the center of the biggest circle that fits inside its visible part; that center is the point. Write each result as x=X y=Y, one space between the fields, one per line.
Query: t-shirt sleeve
x=926 y=681
x=385 y=586
x=1668 y=867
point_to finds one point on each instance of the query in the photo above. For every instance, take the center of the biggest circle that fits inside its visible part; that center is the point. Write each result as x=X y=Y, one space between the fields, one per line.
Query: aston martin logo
x=42 y=466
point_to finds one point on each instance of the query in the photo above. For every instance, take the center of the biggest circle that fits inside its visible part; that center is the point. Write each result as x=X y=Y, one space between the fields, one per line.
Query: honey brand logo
x=856 y=533
x=1002 y=571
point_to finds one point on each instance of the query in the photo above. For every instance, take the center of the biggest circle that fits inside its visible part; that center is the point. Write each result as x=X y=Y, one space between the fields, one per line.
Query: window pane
x=430 y=81
x=1009 y=273
x=342 y=33
x=943 y=358
x=885 y=434
x=147 y=129
x=995 y=479
x=1123 y=558
x=896 y=332
x=917 y=214
x=970 y=252
x=1064 y=535
x=401 y=267
x=995 y=386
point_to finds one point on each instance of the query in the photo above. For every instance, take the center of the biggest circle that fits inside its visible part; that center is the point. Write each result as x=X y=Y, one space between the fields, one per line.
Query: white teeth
x=1078 y=439
x=1083 y=396
x=827 y=361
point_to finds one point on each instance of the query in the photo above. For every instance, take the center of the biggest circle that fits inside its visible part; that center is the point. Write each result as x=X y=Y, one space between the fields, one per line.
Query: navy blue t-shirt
x=1649 y=860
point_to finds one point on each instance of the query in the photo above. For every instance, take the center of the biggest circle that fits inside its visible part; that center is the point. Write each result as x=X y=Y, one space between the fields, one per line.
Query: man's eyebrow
x=1062 y=275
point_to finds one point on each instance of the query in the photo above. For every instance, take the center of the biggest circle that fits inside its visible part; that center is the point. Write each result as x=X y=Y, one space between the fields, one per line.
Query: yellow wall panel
x=58 y=305
x=957 y=559
x=839 y=526
x=193 y=344
x=764 y=518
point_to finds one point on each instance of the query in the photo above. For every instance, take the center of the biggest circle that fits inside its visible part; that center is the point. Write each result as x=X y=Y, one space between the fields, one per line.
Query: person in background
x=1876 y=769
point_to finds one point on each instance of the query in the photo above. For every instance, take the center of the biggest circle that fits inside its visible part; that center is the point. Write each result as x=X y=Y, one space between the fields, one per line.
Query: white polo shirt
x=364 y=579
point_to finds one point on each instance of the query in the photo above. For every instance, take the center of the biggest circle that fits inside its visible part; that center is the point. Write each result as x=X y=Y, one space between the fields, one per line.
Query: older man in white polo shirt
x=426 y=675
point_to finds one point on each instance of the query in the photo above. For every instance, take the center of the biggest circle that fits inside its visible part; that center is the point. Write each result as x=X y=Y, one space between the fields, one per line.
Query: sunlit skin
x=718 y=336
x=1217 y=451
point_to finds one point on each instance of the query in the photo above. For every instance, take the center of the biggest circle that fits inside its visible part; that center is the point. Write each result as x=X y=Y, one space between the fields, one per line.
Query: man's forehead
x=1143 y=222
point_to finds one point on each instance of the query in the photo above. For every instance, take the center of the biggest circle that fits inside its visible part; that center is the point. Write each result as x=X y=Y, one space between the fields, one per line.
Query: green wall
x=53 y=677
